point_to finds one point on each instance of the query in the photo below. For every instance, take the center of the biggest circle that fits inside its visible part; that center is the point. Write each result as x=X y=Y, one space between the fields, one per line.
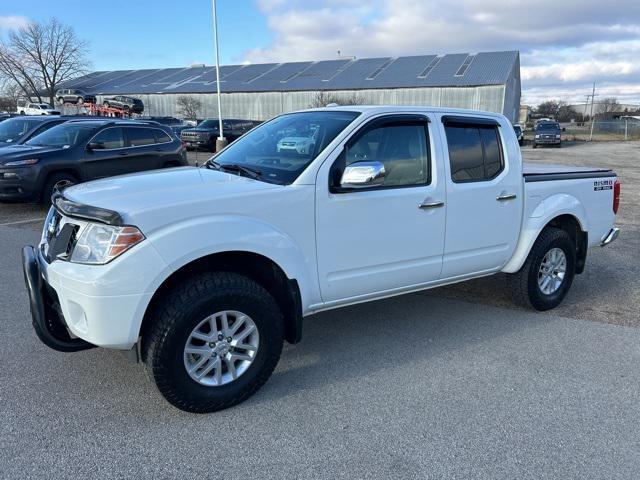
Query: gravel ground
x=452 y=383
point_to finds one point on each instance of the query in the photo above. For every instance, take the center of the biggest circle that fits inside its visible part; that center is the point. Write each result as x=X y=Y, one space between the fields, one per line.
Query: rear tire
x=525 y=285
x=166 y=340
x=56 y=180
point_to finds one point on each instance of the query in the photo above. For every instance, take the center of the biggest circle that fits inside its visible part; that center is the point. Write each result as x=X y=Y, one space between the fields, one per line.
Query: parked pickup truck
x=202 y=273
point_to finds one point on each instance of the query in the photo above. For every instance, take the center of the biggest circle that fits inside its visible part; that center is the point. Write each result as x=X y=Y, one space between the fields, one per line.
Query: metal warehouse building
x=483 y=81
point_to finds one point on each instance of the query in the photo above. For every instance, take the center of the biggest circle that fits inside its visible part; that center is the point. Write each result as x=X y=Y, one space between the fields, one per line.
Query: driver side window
x=402 y=148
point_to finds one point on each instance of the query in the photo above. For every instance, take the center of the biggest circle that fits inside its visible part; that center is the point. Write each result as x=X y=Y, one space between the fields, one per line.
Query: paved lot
x=453 y=383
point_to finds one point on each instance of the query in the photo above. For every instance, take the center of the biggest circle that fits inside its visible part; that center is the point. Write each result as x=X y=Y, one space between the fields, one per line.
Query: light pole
x=593 y=120
x=221 y=142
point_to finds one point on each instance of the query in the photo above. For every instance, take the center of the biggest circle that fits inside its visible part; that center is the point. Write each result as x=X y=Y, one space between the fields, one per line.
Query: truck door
x=385 y=238
x=484 y=196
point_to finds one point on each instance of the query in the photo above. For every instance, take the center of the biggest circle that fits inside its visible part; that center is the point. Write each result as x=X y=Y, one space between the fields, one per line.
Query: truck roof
x=378 y=109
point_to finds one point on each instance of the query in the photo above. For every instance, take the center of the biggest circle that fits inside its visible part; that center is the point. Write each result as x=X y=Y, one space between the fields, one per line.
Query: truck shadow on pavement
x=379 y=341
x=387 y=339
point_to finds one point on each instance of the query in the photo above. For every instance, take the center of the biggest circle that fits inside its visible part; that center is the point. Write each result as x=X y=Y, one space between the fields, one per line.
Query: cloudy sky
x=565 y=45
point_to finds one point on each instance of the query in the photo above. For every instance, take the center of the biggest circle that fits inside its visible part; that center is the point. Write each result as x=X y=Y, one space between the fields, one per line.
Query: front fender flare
x=184 y=242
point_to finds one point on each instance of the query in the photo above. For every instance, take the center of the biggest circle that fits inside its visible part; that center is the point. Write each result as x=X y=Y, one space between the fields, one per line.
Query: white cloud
x=12 y=22
x=563 y=44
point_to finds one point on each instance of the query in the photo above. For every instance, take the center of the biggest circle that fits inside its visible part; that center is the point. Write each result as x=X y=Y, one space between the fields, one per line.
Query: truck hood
x=152 y=199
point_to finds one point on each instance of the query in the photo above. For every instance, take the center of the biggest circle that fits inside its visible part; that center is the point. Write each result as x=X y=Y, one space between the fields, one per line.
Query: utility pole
x=593 y=120
x=221 y=142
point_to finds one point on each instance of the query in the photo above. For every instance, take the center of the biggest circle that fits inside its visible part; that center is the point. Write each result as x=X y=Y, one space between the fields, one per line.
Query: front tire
x=547 y=274
x=193 y=348
x=56 y=181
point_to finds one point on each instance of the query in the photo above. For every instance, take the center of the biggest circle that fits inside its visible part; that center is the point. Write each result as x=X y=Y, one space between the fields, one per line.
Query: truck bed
x=538 y=172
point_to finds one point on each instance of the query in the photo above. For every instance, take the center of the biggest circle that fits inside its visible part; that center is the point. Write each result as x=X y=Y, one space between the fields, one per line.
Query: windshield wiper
x=235 y=167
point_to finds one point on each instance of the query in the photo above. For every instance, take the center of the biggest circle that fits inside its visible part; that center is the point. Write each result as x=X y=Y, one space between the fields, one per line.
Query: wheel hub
x=552 y=271
x=221 y=348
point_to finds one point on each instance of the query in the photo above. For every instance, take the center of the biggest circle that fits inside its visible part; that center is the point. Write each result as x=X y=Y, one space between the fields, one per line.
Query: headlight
x=99 y=244
x=557 y=136
x=18 y=163
x=538 y=135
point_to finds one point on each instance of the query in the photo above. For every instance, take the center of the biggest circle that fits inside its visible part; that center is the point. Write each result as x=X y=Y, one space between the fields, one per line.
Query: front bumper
x=97 y=305
x=18 y=183
x=47 y=320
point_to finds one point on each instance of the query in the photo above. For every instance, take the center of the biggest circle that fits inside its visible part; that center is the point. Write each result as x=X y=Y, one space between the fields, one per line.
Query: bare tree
x=9 y=94
x=607 y=106
x=322 y=99
x=40 y=56
x=189 y=106
x=549 y=108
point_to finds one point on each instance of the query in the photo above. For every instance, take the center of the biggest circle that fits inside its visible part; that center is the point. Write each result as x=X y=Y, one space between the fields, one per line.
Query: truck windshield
x=208 y=124
x=64 y=135
x=278 y=151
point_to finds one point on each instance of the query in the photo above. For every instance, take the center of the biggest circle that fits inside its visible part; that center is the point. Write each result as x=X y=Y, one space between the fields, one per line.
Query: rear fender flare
x=541 y=214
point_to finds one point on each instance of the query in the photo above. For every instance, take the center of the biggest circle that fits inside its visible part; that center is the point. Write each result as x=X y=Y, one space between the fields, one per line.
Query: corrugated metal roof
x=488 y=68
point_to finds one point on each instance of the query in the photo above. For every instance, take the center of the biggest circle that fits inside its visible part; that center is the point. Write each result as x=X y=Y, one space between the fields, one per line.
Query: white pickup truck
x=202 y=273
x=27 y=108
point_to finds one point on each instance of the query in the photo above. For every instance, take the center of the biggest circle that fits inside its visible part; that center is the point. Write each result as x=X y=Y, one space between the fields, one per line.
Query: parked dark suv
x=81 y=150
x=547 y=133
x=205 y=134
x=128 y=104
x=74 y=95
x=174 y=123
x=22 y=128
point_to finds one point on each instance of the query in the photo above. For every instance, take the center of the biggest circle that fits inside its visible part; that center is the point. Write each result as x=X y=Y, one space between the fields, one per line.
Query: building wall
x=264 y=105
x=511 y=107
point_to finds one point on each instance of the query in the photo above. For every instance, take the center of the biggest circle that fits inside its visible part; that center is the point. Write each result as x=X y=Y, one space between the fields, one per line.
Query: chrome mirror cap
x=363 y=175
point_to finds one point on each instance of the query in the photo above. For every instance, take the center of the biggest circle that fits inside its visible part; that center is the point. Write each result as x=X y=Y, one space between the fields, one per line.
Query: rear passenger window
x=492 y=155
x=162 y=137
x=474 y=152
x=140 y=136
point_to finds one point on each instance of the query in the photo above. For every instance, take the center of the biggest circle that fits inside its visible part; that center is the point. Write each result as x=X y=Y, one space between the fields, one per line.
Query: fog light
x=77 y=319
x=11 y=175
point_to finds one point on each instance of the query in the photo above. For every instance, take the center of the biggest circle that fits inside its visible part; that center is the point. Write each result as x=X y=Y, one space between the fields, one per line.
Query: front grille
x=59 y=237
x=191 y=135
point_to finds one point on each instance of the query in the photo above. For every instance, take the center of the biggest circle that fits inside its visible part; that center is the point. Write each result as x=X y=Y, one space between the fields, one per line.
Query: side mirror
x=363 y=175
x=95 y=146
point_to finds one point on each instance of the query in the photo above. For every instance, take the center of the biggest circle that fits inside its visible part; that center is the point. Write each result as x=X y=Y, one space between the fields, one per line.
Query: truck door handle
x=431 y=205
x=506 y=196
x=123 y=153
